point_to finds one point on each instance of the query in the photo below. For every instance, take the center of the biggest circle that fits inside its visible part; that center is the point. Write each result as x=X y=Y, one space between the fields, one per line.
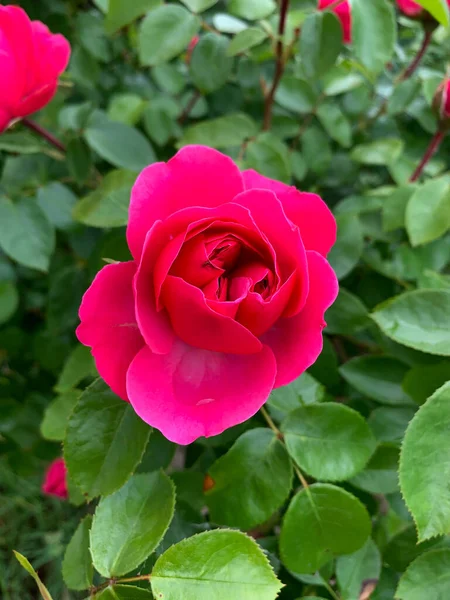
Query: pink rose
x=441 y=101
x=343 y=12
x=31 y=60
x=55 y=481
x=412 y=9
x=224 y=300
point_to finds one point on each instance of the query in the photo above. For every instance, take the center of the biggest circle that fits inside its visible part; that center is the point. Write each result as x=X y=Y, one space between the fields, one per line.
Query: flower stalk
x=430 y=151
x=43 y=133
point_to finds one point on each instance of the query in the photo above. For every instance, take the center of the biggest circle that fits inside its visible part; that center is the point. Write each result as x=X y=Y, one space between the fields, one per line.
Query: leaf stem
x=189 y=106
x=432 y=148
x=279 y=66
x=51 y=139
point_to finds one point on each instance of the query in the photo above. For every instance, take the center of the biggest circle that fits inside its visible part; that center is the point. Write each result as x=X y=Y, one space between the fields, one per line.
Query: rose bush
x=225 y=298
x=31 y=60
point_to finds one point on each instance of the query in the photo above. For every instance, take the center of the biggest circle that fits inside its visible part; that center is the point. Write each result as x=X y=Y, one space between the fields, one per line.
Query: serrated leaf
x=381 y=473
x=427 y=215
x=105 y=441
x=56 y=416
x=129 y=524
x=77 y=569
x=210 y=65
x=427 y=577
x=425 y=466
x=329 y=441
x=321 y=522
x=213 y=566
x=250 y=482
x=302 y=391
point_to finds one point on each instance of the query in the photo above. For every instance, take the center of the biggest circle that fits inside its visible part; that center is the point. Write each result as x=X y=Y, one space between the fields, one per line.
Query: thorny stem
x=432 y=148
x=190 y=105
x=279 y=66
x=51 y=139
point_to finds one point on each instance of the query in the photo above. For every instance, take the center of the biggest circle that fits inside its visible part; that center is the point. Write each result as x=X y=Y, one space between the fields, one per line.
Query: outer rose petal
x=410 y=8
x=297 y=341
x=308 y=211
x=191 y=393
x=195 y=176
x=343 y=12
x=55 y=480
x=5 y=119
x=108 y=324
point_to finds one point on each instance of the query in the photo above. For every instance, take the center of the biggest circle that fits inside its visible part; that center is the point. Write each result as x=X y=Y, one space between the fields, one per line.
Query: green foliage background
x=323 y=479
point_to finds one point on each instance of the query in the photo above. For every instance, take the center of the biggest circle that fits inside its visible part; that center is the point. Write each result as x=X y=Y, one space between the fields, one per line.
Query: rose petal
x=108 y=324
x=297 y=341
x=199 y=325
x=191 y=392
x=308 y=211
x=195 y=176
x=343 y=12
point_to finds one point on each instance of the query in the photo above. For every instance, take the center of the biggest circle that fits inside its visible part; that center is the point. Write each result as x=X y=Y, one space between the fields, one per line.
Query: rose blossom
x=412 y=9
x=224 y=298
x=55 y=481
x=31 y=60
x=343 y=12
x=441 y=101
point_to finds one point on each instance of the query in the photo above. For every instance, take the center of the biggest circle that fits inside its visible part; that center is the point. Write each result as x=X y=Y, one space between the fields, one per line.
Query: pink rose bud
x=415 y=11
x=223 y=301
x=55 y=481
x=441 y=102
x=31 y=60
x=343 y=12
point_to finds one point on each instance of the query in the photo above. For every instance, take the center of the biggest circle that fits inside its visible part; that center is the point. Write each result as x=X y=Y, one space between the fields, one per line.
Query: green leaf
x=105 y=441
x=303 y=390
x=56 y=201
x=210 y=64
x=389 y=424
x=56 y=416
x=354 y=569
x=270 y=156
x=213 y=566
x=79 y=160
x=160 y=123
x=251 y=481
x=341 y=79
x=335 y=123
x=403 y=548
x=316 y=150
x=347 y=251
x=223 y=132
x=377 y=377
x=78 y=366
x=380 y=152
x=124 y=592
x=21 y=143
x=403 y=94
x=165 y=32
x=121 y=145
x=321 y=522
x=381 y=474
x=253 y=36
x=198 y=6
x=438 y=9
x=347 y=315
x=129 y=524
x=27 y=566
x=418 y=319
x=394 y=208
x=423 y=380
x=77 y=569
x=124 y=12
x=428 y=211
x=253 y=10
x=329 y=441
x=34 y=249
x=425 y=466
x=320 y=43
x=427 y=577
x=108 y=205
x=9 y=300
x=126 y=108
x=374 y=32
x=296 y=95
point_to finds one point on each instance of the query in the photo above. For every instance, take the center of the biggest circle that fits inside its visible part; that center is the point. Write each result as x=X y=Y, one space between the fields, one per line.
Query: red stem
x=433 y=146
x=51 y=139
x=415 y=63
x=279 y=67
x=190 y=105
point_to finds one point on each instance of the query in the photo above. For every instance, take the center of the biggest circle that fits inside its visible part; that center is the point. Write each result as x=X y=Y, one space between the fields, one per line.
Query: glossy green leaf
x=355 y=569
x=320 y=43
x=126 y=108
x=78 y=366
x=129 y=524
x=108 y=205
x=123 y=12
x=347 y=315
x=223 y=132
x=373 y=32
x=377 y=377
x=427 y=214
x=270 y=156
x=321 y=522
x=105 y=441
x=34 y=249
x=380 y=152
x=329 y=441
x=425 y=466
x=296 y=95
x=251 y=481
x=56 y=201
x=335 y=123
x=56 y=416
x=198 y=6
x=252 y=10
x=423 y=380
x=302 y=391
x=124 y=592
x=210 y=64
x=389 y=424
x=394 y=208
x=381 y=473
x=404 y=547
x=253 y=36
x=213 y=566
x=418 y=319
x=9 y=300
x=77 y=566
x=427 y=577
x=27 y=566
x=317 y=150
x=347 y=251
